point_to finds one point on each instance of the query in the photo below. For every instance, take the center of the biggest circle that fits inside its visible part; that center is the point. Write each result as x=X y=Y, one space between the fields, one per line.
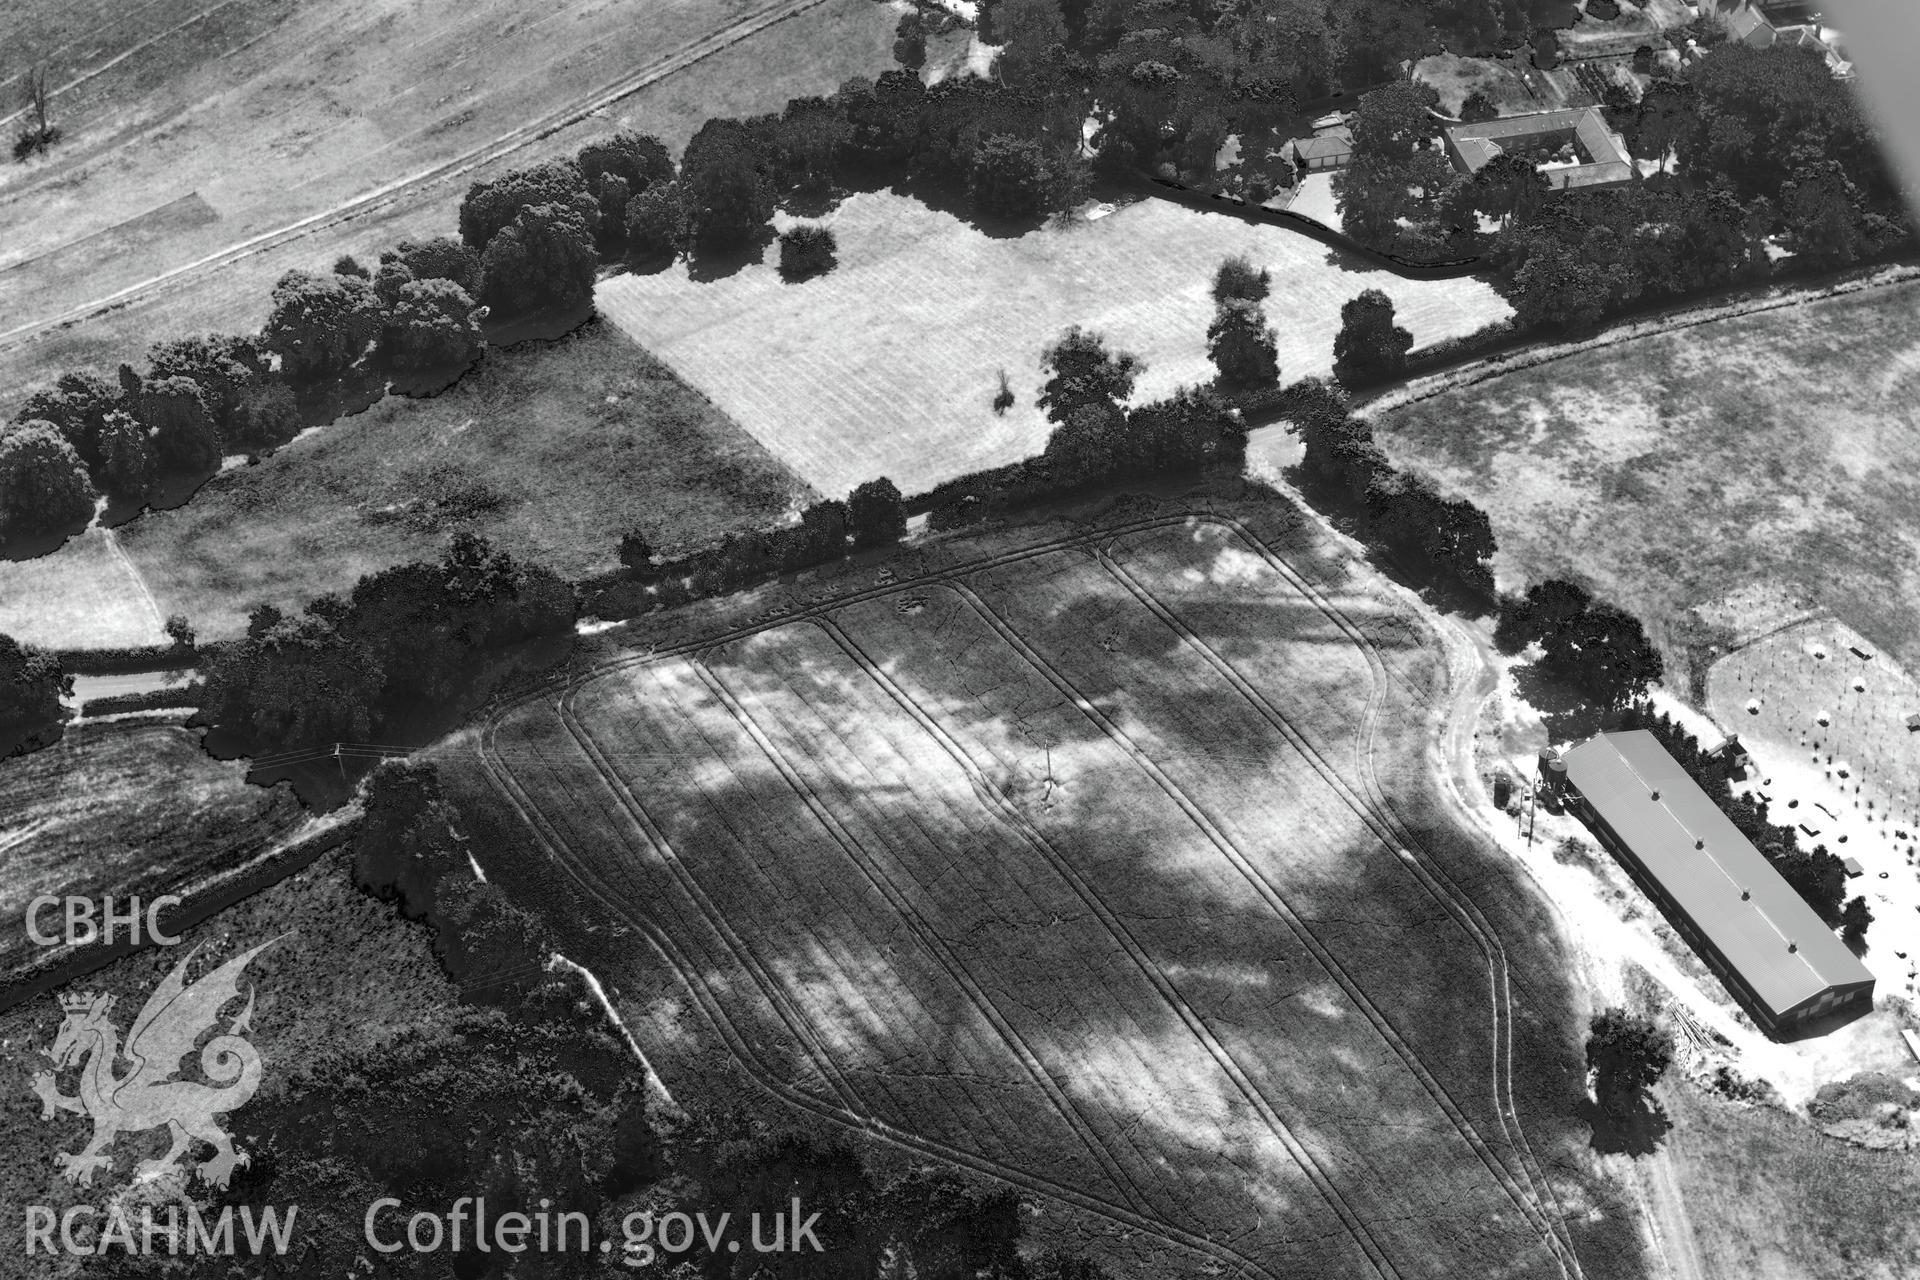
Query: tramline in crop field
x=1076 y=867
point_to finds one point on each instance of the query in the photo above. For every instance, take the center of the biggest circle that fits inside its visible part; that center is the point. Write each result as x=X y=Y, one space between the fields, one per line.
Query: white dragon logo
x=148 y=1096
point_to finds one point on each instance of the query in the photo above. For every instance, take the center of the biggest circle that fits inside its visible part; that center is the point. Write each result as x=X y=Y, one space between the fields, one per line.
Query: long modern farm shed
x=1786 y=967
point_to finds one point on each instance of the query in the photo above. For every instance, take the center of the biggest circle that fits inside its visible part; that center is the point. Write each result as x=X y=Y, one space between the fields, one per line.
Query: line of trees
x=408 y=644
x=1448 y=541
x=530 y=243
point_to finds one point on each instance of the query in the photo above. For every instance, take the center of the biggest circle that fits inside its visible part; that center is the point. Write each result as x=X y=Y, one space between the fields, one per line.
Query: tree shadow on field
x=1636 y=1132
x=708 y=263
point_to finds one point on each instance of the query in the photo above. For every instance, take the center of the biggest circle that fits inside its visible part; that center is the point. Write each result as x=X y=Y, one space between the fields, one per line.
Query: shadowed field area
x=1110 y=869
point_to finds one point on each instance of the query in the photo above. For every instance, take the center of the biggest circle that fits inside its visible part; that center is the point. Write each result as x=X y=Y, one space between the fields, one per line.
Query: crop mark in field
x=500 y=777
x=1010 y=816
x=1445 y=890
x=771 y=988
x=748 y=1054
x=1374 y=812
x=875 y=874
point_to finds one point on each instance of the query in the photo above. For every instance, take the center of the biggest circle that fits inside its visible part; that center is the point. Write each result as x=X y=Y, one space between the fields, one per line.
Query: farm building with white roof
x=1777 y=957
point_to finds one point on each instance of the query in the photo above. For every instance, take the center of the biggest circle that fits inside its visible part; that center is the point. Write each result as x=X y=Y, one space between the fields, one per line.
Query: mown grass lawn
x=889 y=365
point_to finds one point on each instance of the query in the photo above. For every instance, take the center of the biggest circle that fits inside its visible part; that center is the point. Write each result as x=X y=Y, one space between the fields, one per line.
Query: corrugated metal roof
x=1705 y=865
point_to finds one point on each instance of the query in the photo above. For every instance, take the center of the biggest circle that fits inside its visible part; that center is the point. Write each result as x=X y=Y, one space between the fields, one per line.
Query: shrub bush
x=807 y=250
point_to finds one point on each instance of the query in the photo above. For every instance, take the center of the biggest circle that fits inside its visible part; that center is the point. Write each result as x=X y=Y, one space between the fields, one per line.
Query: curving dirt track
x=839 y=769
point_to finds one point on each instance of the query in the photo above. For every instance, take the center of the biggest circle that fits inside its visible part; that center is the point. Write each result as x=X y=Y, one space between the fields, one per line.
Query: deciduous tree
x=490 y=207
x=543 y=260
x=31 y=686
x=1237 y=277
x=431 y=326
x=1627 y=1053
x=1082 y=373
x=43 y=484
x=876 y=514
x=1242 y=345
x=1369 y=346
x=320 y=325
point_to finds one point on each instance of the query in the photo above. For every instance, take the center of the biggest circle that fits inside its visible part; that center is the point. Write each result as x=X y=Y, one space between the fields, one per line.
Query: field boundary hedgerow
x=1532 y=355
x=1370 y=806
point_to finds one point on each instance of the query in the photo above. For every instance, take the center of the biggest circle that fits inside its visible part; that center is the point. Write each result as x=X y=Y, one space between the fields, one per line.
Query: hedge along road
x=417 y=184
x=517 y=772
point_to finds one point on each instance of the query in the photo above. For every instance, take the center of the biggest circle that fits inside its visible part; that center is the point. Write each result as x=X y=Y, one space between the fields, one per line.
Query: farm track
x=1017 y=823
x=1376 y=813
x=773 y=1080
x=1373 y=808
x=394 y=192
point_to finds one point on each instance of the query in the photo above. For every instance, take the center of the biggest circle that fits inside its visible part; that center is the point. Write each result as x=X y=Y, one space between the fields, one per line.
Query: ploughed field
x=1080 y=867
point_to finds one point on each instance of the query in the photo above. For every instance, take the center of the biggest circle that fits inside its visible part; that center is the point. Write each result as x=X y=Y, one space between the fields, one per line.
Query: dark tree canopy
x=320 y=325
x=876 y=515
x=1627 y=1053
x=1082 y=373
x=265 y=415
x=1009 y=177
x=43 y=484
x=1242 y=346
x=543 y=260
x=185 y=435
x=1478 y=108
x=726 y=177
x=221 y=364
x=1237 y=277
x=77 y=406
x=430 y=326
x=490 y=207
x=1369 y=346
x=31 y=686
x=656 y=223
x=807 y=249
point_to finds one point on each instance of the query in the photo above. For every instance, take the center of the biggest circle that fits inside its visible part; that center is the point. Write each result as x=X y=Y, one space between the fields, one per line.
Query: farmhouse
x=1573 y=146
x=1330 y=150
x=1774 y=954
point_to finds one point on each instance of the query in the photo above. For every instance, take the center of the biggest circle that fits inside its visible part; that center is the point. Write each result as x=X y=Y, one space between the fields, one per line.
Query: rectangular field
x=1075 y=870
x=889 y=364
